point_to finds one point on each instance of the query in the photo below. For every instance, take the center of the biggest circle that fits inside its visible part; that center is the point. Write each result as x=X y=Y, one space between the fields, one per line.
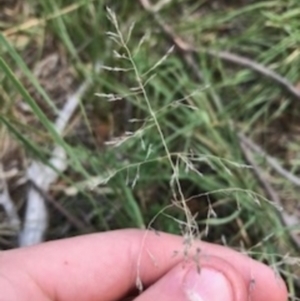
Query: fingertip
x=216 y=281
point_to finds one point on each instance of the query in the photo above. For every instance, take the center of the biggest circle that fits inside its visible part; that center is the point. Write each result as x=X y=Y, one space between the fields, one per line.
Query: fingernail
x=208 y=285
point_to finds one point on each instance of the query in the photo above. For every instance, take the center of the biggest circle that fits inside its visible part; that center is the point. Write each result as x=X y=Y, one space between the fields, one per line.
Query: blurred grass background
x=48 y=48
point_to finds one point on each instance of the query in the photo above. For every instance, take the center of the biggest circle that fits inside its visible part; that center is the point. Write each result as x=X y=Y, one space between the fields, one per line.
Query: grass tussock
x=155 y=141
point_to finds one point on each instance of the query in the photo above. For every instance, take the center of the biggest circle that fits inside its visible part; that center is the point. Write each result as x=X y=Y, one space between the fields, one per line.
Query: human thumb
x=212 y=279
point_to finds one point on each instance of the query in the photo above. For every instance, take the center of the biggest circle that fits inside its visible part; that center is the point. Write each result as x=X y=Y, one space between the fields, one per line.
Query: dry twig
x=42 y=176
x=73 y=220
x=271 y=161
x=289 y=221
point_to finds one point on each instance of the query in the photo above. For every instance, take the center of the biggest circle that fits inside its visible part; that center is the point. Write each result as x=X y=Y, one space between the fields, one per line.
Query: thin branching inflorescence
x=119 y=38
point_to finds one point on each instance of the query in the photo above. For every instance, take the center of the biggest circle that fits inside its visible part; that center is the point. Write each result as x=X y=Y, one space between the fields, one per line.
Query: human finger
x=107 y=265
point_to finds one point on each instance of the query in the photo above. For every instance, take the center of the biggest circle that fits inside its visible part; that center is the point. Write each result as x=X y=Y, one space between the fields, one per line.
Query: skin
x=104 y=267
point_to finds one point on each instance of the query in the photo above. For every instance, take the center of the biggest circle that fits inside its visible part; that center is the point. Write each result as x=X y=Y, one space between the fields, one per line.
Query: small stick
x=73 y=220
x=271 y=161
x=259 y=68
x=288 y=220
x=42 y=175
